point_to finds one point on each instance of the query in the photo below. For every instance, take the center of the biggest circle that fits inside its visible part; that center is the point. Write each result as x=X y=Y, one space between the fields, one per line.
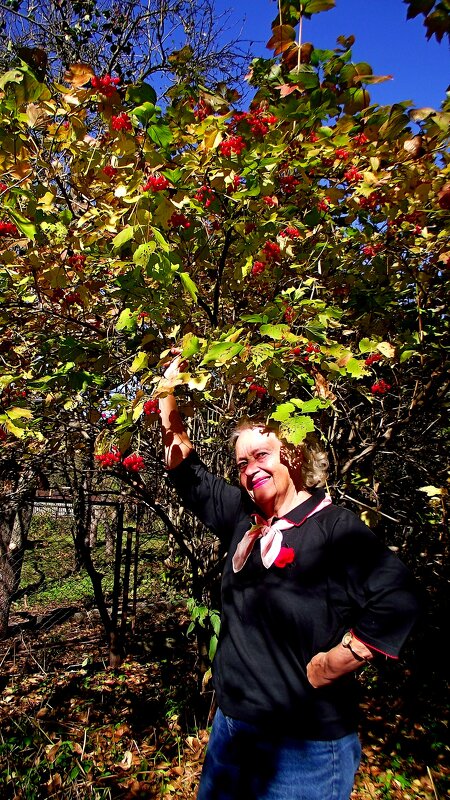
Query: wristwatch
x=347 y=640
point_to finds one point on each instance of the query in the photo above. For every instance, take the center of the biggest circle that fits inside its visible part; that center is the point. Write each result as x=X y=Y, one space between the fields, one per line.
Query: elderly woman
x=309 y=596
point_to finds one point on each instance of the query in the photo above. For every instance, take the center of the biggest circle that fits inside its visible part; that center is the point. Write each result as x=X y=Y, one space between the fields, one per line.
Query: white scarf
x=270 y=536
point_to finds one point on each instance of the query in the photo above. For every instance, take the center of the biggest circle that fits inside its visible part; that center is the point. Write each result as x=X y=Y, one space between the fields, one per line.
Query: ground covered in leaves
x=71 y=727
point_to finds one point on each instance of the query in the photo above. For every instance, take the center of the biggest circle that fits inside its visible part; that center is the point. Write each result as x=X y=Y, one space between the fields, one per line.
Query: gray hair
x=309 y=457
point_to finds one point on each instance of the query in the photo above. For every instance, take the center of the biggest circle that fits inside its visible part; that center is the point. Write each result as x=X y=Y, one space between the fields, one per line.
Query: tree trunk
x=15 y=519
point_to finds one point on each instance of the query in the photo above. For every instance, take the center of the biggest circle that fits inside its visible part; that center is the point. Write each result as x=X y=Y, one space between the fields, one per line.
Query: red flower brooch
x=284 y=557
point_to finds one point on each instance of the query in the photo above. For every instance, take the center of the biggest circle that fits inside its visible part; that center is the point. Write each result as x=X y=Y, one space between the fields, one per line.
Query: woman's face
x=261 y=470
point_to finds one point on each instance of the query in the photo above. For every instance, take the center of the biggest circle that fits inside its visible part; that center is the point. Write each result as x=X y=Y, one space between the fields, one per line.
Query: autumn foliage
x=296 y=250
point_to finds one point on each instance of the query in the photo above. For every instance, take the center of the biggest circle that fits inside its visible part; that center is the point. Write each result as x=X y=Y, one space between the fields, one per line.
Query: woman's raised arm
x=176 y=442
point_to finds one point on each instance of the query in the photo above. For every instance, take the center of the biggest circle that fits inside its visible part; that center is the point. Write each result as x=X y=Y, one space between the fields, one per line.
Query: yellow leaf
x=386 y=349
x=79 y=74
x=19 y=413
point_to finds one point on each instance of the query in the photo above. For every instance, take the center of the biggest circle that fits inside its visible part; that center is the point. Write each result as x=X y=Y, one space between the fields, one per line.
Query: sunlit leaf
x=220 y=352
x=78 y=74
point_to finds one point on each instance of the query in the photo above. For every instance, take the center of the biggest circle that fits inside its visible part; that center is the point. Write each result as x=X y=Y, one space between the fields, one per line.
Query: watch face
x=347 y=639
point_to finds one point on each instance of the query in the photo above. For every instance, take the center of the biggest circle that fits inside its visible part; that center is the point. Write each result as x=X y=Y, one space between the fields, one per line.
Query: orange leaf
x=282 y=38
x=79 y=74
x=287 y=89
x=444 y=196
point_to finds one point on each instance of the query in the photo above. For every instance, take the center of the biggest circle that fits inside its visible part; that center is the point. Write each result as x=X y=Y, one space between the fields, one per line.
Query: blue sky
x=390 y=43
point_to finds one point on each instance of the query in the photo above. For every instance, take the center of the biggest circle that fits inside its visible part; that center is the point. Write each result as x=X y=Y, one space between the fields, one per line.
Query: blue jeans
x=243 y=763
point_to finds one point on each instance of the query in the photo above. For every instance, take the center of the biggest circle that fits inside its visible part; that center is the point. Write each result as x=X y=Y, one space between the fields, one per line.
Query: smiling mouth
x=256 y=484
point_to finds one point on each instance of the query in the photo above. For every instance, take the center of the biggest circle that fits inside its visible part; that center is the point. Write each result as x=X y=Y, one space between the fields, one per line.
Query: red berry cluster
x=133 y=463
x=179 y=221
x=234 y=144
x=156 y=183
x=371 y=250
x=72 y=298
x=3 y=186
x=109 y=459
x=7 y=229
x=258 y=120
x=105 y=85
x=372 y=359
x=250 y=226
x=290 y=232
x=270 y=201
x=236 y=183
x=151 y=407
x=289 y=314
x=306 y=353
x=110 y=171
x=205 y=195
x=121 y=122
x=201 y=110
x=360 y=139
x=324 y=204
x=381 y=387
x=341 y=153
x=258 y=267
x=77 y=261
x=143 y=315
x=371 y=202
x=11 y=394
x=352 y=175
x=272 y=251
x=313 y=137
x=288 y=184
x=260 y=391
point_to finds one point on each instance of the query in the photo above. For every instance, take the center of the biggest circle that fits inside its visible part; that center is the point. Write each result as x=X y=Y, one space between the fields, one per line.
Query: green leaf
x=367 y=345
x=190 y=345
x=24 y=225
x=141 y=255
x=123 y=237
x=189 y=285
x=260 y=353
x=140 y=362
x=126 y=321
x=212 y=647
x=294 y=429
x=310 y=406
x=255 y=318
x=172 y=175
x=220 y=352
x=283 y=412
x=141 y=93
x=215 y=622
x=305 y=75
x=316 y=6
x=276 y=332
x=159 y=239
x=144 y=113
x=356 y=368
x=12 y=76
x=405 y=355
x=160 y=134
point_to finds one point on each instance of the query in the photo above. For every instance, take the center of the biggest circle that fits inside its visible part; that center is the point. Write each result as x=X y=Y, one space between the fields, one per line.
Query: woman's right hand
x=175 y=365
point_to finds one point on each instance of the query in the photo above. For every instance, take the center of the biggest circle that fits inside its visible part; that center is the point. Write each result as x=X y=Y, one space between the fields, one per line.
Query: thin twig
x=432 y=783
x=371 y=508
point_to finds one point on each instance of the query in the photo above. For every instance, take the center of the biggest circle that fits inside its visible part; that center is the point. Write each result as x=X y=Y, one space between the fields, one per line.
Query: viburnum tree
x=296 y=250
